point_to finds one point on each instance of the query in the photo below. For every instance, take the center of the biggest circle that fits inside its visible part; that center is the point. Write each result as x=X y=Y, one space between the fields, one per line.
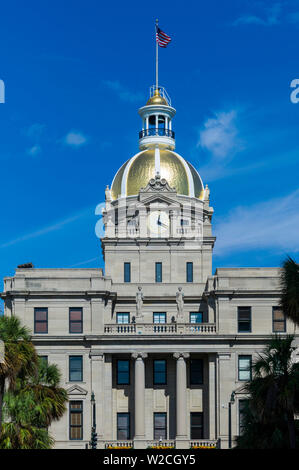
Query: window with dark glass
x=196 y=371
x=245 y=368
x=76 y=420
x=189 y=272
x=196 y=317
x=123 y=318
x=43 y=359
x=279 y=320
x=196 y=426
x=244 y=319
x=123 y=426
x=159 y=272
x=159 y=372
x=76 y=320
x=76 y=368
x=159 y=317
x=160 y=426
x=40 y=320
x=127 y=272
x=242 y=408
x=123 y=372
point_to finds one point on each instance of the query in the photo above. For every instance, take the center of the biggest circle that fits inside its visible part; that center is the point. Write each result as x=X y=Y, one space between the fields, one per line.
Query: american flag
x=162 y=38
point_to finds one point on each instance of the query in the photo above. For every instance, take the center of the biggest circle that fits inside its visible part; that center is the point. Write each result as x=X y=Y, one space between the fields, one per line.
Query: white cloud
x=271 y=16
x=75 y=139
x=122 y=92
x=273 y=224
x=219 y=135
x=34 y=150
x=43 y=231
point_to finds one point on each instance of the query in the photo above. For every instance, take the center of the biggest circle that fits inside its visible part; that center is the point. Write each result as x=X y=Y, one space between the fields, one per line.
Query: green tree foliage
x=33 y=398
x=268 y=419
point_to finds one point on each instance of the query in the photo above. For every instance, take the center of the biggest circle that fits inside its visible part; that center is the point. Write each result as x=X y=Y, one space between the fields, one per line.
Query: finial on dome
x=207 y=193
x=107 y=193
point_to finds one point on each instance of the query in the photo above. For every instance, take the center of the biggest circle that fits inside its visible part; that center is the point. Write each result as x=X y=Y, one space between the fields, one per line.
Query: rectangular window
x=196 y=425
x=123 y=426
x=245 y=368
x=123 y=372
x=160 y=372
x=40 y=320
x=76 y=320
x=189 y=272
x=196 y=371
x=122 y=318
x=159 y=317
x=127 y=272
x=244 y=319
x=196 y=317
x=158 y=272
x=242 y=407
x=43 y=359
x=76 y=420
x=75 y=368
x=160 y=426
x=279 y=320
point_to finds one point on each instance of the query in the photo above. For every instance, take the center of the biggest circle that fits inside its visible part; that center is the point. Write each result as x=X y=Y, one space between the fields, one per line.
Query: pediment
x=76 y=390
x=159 y=200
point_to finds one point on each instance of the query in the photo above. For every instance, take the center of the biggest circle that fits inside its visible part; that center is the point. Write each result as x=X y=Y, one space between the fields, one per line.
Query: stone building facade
x=164 y=344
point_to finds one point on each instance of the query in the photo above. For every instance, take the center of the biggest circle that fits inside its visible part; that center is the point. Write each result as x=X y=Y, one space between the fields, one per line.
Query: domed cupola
x=157 y=117
x=157 y=156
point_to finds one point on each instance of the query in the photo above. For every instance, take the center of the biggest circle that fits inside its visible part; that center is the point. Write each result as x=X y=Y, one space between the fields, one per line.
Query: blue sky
x=77 y=72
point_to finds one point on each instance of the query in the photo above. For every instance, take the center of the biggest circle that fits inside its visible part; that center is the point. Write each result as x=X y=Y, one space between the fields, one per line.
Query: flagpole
x=157 y=21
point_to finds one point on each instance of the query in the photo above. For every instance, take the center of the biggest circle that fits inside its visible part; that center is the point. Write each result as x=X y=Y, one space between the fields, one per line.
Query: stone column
x=181 y=401
x=139 y=399
x=97 y=386
x=212 y=396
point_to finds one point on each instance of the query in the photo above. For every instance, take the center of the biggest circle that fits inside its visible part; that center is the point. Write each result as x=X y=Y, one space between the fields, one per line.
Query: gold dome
x=157 y=99
x=136 y=173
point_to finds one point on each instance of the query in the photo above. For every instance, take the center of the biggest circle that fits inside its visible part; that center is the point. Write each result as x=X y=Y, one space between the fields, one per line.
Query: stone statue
x=180 y=302
x=139 y=302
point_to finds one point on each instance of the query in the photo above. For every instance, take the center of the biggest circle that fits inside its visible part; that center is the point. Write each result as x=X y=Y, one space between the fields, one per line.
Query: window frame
x=128 y=372
x=127 y=414
x=243 y=356
x=165 y=372
x=240 y=308
x=201 y=427
x=243 y=401
x=75 y=411
x=159 y=322
x=157 y=273
x=188 y=264
x=70 y=360
x=284 y=321
x=199 y=360
x=118 y=314
x=164 y=414
x=41 y=309
x=127 y=279
x=195 y=313
x=77 y=309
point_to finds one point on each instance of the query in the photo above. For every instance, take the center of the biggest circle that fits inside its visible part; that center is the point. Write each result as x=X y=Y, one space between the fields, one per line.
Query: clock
x=158 y=223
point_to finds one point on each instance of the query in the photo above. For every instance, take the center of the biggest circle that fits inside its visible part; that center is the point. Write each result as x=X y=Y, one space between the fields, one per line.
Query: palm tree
x=290 y=289
x=30 y=408
x=273 y=398
x=19 y=356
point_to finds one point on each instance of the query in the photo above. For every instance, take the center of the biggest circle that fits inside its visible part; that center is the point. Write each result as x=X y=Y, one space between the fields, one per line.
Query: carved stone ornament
x=157 y=184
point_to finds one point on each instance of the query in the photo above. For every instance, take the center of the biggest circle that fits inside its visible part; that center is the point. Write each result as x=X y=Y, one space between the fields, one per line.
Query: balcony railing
x=160 y=329
x=162 y=443
x=156 y=131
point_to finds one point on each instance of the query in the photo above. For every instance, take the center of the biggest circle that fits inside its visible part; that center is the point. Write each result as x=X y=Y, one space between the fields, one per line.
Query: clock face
x=158 y=223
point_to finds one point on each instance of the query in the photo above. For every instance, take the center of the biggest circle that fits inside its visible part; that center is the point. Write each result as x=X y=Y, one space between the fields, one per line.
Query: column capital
x=137 y=355
x=181 y=355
